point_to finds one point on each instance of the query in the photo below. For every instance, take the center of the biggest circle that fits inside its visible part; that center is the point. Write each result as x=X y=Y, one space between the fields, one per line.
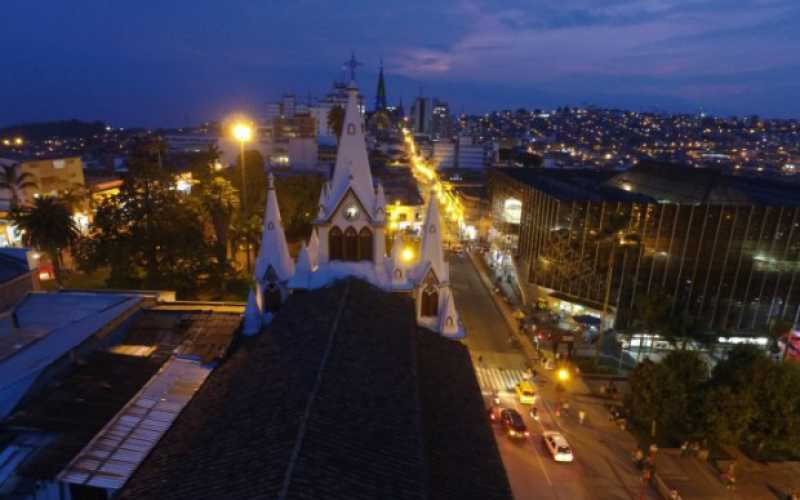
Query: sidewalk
x=692 y=478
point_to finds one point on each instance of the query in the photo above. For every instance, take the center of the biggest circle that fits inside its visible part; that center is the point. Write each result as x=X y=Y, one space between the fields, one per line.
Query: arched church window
x=398 y=274
x=350 y=244
x=351 y=129
x=270 y=226
x=272 y=298
x=449 y=321
x=365 y=244
x=335 y=244
x=429 y=306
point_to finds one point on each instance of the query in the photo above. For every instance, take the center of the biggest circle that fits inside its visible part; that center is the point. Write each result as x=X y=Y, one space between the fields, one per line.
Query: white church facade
x=348 y=240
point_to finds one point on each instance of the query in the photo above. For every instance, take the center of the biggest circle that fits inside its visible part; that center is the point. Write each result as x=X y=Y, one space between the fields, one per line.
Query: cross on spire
x=352 y=64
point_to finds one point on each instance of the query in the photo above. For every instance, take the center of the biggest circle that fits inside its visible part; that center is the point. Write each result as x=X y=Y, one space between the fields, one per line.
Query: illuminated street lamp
x=563 y=375
x=243 y=132
x=407 y=255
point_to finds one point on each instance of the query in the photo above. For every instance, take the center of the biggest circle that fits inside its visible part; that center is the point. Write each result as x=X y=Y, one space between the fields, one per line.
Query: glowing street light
x=243 y=132
x=563 y=375
x=407 y=255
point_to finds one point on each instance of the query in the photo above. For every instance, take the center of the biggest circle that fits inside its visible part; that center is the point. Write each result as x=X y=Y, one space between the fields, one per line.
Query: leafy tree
x=150 y=234
x=298 y=196
x=255 y=179
x=336 y=120
x=727 y=414
x=218 y=200
x=48 y=226
x=246 y=233
x=669 y=393
x=15 y=182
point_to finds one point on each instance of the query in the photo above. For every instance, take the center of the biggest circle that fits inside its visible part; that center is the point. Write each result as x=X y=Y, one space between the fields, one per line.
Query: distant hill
x=63 y=129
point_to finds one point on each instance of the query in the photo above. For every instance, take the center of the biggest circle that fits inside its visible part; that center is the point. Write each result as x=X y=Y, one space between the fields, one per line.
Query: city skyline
x=179 y=64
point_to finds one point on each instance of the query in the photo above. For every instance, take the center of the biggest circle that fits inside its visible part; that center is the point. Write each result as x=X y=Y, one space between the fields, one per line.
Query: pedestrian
x=480 y=359
x=581 y=416
x=685 y=448
x=674 y=495
x=638 y=457
x=694 y=447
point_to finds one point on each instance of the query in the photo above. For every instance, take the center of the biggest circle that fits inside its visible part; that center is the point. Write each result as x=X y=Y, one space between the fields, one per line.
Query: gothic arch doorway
x=429 y=302
x=365 y=244
x=350 y=244
x=272 y=298
x=335 y=244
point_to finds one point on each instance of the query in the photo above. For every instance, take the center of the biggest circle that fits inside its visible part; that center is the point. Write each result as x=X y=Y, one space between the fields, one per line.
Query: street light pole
x=243 y=132
x=243 y=206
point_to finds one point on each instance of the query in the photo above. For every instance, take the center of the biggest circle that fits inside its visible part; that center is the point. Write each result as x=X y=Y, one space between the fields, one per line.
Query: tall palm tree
x=48 y=226
x=15 y=181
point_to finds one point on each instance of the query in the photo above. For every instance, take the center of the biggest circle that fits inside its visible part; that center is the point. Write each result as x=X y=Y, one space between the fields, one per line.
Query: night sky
x=175 y=62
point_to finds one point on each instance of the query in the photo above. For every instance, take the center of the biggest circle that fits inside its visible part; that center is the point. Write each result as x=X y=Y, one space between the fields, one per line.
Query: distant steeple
x=432 y=254
x=351 y=65
x=380 y=95
x=401 y=112
x=274 y=252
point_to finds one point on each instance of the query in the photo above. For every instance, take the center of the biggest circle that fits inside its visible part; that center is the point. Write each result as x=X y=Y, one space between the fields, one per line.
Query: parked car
x=558 y=447
x=513 y=423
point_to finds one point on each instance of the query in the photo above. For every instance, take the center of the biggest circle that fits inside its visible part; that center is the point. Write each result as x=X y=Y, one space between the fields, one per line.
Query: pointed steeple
x=323 y=199
x=398 y=268
x=432 y=254
x=274 y=252
x=380 y=95
x=303 y=270
x=313 y=247
x=380 y=203
x=252 y=316
x=449 y=324
x=352 y=164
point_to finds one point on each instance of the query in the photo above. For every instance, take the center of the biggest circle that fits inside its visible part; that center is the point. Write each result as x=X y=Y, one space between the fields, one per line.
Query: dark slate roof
x=462 y=455
x=329 y=401
x=573 y=184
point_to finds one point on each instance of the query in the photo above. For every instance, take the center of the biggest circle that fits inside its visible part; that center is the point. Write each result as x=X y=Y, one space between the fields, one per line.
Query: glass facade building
x=724 y=249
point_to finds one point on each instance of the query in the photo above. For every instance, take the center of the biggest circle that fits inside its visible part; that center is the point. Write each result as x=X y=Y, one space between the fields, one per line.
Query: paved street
x=602 y=467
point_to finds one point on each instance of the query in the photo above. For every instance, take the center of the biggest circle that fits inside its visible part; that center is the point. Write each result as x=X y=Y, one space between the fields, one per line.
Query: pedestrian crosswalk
x=498 y=379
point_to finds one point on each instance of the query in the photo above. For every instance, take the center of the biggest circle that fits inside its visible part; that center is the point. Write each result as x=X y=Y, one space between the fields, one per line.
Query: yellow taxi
x=526 y=392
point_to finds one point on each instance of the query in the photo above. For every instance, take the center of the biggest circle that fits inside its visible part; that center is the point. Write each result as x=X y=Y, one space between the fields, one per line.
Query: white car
x=557 y=446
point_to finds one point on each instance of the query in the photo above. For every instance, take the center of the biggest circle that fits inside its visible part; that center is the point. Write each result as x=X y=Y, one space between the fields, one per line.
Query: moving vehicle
x=513 y=423
x=558 y=447
x=526 y=392
x=494 y=412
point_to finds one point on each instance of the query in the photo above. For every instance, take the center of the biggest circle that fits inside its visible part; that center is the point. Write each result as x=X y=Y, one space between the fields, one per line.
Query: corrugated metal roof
x=116 y=451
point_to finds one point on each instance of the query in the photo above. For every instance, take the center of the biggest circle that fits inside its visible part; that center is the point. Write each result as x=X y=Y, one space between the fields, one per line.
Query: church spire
x=432 y=254
x=380 y=95
x=274 y=253
x=352 y=164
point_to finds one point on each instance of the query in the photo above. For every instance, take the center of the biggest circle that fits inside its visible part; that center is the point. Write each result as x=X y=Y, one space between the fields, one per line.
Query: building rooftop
x=334 y=399
x=83 y=407
x=654 y=182
x=574 y=184
x=684 y=184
